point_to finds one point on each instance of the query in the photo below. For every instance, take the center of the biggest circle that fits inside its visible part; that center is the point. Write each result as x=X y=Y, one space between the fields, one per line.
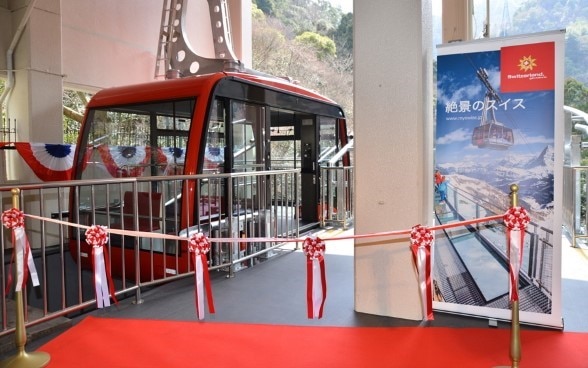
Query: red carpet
x=102 y=342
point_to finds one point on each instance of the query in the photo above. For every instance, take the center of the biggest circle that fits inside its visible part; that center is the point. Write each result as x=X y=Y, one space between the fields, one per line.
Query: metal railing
x=336 y=196
x=260 y=204
x=538 y=246
x=575 y=174
x=575 y=202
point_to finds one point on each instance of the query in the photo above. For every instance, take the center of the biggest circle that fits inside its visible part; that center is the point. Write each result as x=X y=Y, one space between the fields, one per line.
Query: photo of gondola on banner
x=491 y=133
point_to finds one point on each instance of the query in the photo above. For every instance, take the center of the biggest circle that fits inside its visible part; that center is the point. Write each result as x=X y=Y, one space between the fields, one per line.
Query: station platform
x=274 y=293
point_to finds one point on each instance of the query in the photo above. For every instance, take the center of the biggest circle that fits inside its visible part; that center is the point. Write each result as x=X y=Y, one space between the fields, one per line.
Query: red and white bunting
x=199 y=246
x=50 y=162
x=421 y=240
x=125 y=161
x=516 y=220
x=316 y=285
x=97 y=237
x=21 y=252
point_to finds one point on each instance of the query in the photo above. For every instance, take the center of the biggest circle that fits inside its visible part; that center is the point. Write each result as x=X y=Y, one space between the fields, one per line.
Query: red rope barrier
x=283 y=240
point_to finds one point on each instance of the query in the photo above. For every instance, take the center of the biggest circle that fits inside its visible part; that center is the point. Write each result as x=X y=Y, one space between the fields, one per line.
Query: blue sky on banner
x=530 y=114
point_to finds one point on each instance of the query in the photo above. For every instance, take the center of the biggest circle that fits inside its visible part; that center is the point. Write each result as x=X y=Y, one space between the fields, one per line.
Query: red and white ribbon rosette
x=421 y=240
x=97 y=237
x=516 y=220
x=199 y=246
x=14 y=219
x=316 y=281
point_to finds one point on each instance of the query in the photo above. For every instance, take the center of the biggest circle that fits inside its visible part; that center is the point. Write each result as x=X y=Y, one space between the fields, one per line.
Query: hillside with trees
x=515 y=17
x=571 y=15
x=310 y=42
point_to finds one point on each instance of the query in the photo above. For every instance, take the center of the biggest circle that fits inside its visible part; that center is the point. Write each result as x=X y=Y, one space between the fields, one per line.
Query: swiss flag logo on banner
x=529 y=67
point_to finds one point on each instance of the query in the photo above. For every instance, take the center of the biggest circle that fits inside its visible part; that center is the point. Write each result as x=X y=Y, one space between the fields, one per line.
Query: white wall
x=393 y=133
x=111 y=42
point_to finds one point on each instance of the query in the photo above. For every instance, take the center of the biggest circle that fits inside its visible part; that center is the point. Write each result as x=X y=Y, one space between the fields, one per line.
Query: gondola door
x=309 y=170
x=248 y=154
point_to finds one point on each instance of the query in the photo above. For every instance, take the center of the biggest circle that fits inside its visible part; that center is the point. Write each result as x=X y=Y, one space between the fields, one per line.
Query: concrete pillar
x=36 y=99
x=393 y=149
x=34 y=106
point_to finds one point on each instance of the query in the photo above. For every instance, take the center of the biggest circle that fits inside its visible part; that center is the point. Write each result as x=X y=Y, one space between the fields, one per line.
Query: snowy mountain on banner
x=532 y=173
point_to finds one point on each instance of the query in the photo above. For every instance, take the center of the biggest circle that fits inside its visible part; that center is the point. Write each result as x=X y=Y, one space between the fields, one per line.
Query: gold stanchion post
x=22 y=358
x=515 y=340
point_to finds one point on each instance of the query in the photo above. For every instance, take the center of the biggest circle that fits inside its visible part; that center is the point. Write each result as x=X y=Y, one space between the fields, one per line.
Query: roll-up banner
x=499 y=121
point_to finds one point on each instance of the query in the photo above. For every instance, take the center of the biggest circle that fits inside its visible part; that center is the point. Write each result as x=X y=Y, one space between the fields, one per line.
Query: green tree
x=268 y=40
x=323 y=45
x=576 y=50
x=257 y=13
x=74 y=105
x=276 y=54
x=547 y=15
x=575 y=94
x=343 y=36
x=266 y=6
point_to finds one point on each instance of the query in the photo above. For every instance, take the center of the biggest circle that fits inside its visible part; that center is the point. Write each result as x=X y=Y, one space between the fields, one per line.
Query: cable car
x=490 y=133
x=218 y=123
x=493 y=135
